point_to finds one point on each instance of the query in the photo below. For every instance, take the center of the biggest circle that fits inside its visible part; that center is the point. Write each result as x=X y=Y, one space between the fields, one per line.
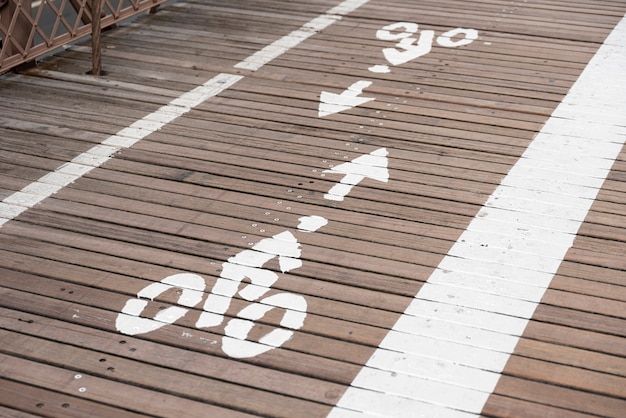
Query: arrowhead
x=334 y=103
x=373 y=166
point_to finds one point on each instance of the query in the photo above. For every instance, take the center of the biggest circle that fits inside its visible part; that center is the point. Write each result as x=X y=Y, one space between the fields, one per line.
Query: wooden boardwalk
x=312 y=225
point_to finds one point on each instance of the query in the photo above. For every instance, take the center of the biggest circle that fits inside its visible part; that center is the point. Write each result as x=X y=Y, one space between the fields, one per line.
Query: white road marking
x=469 y=315
x=485 y=290
x=381 y=69
x=372 y=165
x=247 y=264
x=408 y=48
x=469 y=36
x=66 y=174
x=270 y=52
x=331 y=103
x=51 y=183
x=311 y=223
x=129 y=322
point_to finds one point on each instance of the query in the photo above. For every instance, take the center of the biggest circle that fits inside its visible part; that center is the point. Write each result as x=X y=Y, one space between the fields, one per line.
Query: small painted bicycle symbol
x=409 y=48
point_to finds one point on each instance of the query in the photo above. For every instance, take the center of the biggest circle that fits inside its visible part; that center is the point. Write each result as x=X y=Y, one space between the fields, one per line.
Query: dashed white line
x=444 y=356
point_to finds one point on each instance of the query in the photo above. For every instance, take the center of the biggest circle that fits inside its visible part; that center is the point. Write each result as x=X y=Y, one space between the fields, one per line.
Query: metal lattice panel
x=31 y=29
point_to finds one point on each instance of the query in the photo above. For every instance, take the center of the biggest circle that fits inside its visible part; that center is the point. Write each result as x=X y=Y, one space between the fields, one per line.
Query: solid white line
x=66 y=174
x=267 y=54
x=445 y=354
x=274 y=50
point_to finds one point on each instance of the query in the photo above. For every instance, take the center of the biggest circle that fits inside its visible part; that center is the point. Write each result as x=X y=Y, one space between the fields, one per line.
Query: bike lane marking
x=245 y=264
x=445 y=354
x=53 y=182
x=407 y=49
x=249 y=264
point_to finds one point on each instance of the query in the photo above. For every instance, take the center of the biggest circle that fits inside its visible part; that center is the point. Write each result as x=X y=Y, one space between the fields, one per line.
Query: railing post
x=96 y=29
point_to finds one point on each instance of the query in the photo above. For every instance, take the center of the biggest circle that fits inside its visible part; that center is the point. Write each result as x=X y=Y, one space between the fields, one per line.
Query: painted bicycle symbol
x=247 y=264
x=408 y=48
x=250 y=264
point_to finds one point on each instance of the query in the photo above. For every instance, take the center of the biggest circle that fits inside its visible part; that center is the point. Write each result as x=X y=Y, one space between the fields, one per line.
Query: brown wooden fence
x=29 y=29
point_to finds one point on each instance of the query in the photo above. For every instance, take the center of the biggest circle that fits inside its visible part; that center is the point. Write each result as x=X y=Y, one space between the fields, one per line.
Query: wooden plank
x=317 y=306
x=314 y=58
x=448 y=107
x=342 y=325
x=106 y=391
x=288 y=361
x=501 y=405
x=579 y=319
x=190 y=249
x=17 y=176
x=590 y=287
x=566 y=376
x=572 y=356
x=559 y=397
x=210 y=263
x=160 y=379
x=12 y=413
x=168 y=180
x=230 y=173
x=404 y=247
x=28 y=401
x=159 y=353
x=256 y=103
x=606 y=259
x=595 y=340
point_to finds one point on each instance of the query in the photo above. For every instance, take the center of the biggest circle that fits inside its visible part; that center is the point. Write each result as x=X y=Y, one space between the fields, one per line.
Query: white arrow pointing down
x=373 y=166
x=333 y=103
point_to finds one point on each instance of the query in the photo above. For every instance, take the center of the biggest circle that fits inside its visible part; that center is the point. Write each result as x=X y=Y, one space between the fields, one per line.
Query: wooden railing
x=30 y=28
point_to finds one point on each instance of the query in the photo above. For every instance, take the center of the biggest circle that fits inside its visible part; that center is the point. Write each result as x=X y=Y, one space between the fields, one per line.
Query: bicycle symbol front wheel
x=235 y=343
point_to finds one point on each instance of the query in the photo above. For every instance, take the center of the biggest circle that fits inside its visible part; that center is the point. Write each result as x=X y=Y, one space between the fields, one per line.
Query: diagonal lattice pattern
x=29 y=29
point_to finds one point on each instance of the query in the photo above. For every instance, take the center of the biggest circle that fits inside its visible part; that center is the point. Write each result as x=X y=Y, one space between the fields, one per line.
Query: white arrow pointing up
x=373 y=166
x=333 y=103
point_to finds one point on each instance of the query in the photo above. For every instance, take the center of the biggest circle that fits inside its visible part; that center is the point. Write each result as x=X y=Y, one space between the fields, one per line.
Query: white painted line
x=270 y=52
x=51 y=183
x=68 y=173
x=274 y=50
x=446 y=352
